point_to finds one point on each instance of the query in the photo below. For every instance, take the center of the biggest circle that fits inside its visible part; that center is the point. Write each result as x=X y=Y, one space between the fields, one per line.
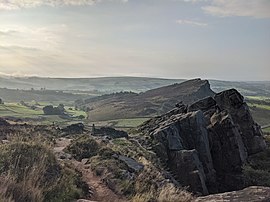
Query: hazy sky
x=222 y=39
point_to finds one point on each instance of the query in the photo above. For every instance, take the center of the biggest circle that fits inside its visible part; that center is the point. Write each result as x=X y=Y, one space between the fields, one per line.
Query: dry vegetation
x=30 y=172
x=149 y=184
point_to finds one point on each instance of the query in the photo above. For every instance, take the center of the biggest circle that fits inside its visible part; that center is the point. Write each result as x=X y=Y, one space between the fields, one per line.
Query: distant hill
x=247 y=88
x=147 y=104
x=106 y=85
x=12 y=95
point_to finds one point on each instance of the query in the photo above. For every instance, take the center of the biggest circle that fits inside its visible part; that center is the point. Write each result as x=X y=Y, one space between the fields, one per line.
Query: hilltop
x=147 y=104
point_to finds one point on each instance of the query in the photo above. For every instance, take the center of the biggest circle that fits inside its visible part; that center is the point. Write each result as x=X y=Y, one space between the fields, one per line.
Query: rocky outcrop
x=146 y=104
x=77 y=128
x=233 y=102
x=250 y=194
x=206 y=144
x=109 y=132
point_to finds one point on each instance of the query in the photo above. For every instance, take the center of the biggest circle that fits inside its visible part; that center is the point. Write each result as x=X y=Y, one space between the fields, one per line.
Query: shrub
x=256 y=177
x=83 y=147
x=257 y=170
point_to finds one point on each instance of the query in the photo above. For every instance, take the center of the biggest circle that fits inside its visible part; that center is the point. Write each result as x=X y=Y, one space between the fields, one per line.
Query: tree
x=51 y=110
x=61 y=108
x=81 y=117
x=48 y=110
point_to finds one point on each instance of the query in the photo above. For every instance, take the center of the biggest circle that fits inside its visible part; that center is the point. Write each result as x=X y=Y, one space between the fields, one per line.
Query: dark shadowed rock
x=232 y=101
x=188 y=169
x=227 y=149
x=185 y=132
x=203 y=104
x=206 y=144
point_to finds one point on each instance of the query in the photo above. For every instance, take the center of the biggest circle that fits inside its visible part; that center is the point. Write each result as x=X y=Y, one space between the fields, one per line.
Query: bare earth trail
x=100 y=191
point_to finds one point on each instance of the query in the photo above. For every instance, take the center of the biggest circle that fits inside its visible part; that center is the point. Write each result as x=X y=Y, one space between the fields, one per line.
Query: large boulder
x=206 y=144
x=232 y=101
x=187 y=161
x=227 y=150
x=186 y=132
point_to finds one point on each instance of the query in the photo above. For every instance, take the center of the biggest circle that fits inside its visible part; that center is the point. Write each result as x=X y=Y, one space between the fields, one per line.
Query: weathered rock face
x=182 y=143
x=227 y=149
x=206 y=144
x=233 y=102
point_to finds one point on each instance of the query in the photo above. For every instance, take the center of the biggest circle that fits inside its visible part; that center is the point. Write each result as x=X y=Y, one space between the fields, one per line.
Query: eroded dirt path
x=100 y=192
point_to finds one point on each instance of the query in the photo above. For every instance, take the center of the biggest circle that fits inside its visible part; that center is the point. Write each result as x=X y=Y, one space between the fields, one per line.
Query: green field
x=266 y=130
x=18 y=111
x=26 y=114
x=267 y=107
x=260 y=109
x=258 y=97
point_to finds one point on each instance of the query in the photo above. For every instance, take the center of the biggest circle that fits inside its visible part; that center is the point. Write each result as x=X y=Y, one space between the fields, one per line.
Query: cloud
x=18 y=48
x=191 y=22
x=48 y=37
x=251 y=8
x=7 y=32
x=20 y=4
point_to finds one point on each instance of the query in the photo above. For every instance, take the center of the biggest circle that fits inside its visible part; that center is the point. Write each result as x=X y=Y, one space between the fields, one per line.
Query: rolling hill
x=106 y=85
x=147 y=104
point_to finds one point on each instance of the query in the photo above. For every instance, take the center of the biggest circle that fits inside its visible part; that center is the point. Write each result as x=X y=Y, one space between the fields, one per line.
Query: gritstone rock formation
x=206 y=144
